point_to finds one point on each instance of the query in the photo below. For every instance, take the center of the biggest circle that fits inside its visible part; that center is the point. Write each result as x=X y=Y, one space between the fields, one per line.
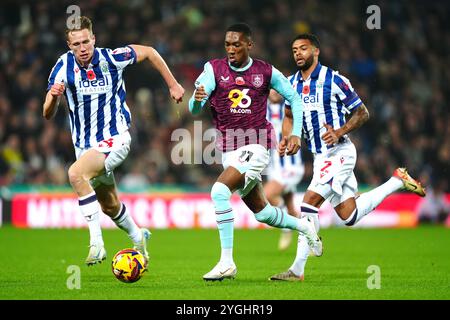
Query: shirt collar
x=96 y=58
x=243 y=68
x=314 y=74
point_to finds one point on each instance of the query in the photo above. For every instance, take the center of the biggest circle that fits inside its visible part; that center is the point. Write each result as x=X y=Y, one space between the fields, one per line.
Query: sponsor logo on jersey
x=241 y=101
x=311 y=99
x=95 y=86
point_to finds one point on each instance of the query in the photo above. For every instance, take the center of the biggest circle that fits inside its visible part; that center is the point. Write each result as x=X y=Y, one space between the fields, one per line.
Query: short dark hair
x=241 y=27
x=308 y=36
x=83 y=23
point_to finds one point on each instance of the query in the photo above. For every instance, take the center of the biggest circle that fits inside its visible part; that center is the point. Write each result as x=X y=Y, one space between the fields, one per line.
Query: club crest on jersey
x=240 y=81
x=257 y=80
x=104 y=67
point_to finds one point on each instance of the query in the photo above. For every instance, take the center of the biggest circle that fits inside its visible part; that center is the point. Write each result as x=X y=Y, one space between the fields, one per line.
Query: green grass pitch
x=414 y=264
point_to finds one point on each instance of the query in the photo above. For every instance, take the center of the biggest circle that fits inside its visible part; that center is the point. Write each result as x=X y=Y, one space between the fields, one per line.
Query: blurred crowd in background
x=400 y=71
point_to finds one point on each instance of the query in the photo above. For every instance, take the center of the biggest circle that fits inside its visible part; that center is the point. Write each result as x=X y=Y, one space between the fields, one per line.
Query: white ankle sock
x=90 y=208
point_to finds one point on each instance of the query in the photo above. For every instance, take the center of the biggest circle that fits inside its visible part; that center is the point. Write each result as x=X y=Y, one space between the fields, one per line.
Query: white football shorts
x=116 y=150
x=333 y=176
x=288 y=171
x=251 y=159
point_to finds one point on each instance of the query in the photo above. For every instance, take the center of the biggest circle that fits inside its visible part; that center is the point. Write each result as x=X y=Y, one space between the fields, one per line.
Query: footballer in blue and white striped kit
x=283 y=173
x=91 y=80
x=331 y=110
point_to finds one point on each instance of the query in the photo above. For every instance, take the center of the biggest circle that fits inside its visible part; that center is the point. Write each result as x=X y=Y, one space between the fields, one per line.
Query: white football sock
x=298 y=267
x=90 y=208
x=125 y=222
x=368 y=201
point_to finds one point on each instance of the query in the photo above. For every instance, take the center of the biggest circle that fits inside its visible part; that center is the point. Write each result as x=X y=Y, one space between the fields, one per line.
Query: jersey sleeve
x=344 y=90
x=123 y=57
x=58 y=74
x=207 y=79
x=283 y=86
x=286 y=103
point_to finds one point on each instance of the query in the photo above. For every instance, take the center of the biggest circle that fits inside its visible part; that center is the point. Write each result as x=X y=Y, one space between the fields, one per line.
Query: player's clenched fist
x=57 y=89
x=293 y=145
x=200 y=93
x=282 y=146
x=177 y=92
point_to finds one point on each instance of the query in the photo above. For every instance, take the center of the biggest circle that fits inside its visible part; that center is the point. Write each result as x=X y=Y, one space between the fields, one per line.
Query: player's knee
x=350 y=219
x=75 y=175
x=220 y=192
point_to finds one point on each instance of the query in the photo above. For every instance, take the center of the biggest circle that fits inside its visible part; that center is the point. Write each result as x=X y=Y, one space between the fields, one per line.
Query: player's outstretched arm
x=149 y=53
x=52 y=100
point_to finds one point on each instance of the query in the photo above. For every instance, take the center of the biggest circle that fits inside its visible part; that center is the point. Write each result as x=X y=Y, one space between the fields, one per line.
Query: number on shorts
x=245 y=156
x=324 y=171
x=327 y=164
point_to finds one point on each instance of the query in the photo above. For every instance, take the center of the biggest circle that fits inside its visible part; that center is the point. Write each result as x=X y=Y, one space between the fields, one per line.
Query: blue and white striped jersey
x=275 y=114
x=95 y=95
x=327 y=96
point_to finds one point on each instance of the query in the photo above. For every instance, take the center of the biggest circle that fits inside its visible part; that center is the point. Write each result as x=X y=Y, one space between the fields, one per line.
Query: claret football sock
x=90 y=208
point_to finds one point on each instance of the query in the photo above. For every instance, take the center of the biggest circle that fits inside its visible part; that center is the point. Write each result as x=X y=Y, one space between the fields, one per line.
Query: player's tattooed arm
x=357 y=118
